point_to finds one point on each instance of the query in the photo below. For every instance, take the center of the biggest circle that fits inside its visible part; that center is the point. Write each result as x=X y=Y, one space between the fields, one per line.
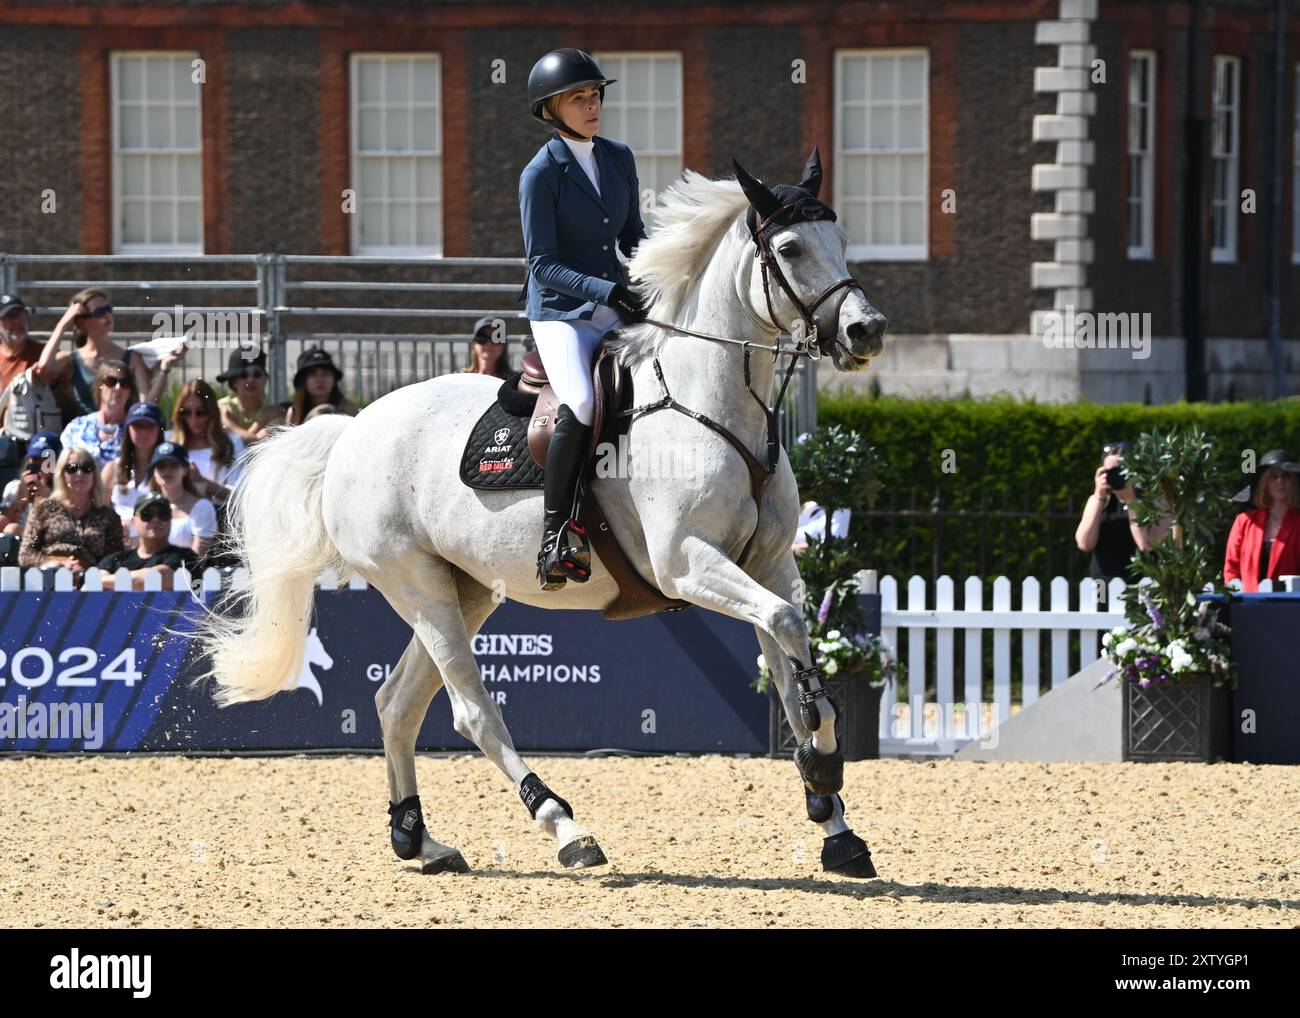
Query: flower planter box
x=857 y=724
x=1188 y=720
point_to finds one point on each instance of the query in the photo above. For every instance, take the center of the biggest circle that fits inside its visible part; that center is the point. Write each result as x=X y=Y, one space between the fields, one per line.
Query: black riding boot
x=564 y=554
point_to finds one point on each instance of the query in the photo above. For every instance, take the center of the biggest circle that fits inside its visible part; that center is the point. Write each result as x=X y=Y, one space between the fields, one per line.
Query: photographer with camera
x=1108 y=528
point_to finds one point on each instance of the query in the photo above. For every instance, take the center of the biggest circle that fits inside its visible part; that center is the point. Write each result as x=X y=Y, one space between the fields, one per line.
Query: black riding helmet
x=563 y=70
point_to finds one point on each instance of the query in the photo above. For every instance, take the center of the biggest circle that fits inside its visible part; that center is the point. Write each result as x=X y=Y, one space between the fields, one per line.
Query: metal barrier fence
x=387 y=322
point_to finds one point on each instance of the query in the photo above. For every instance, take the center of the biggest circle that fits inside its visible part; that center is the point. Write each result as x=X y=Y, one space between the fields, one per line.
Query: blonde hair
x=60 y=489
x=1262 y=497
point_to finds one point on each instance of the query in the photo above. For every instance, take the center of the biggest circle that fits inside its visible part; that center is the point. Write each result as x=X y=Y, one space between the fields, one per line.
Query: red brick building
x=982 y=167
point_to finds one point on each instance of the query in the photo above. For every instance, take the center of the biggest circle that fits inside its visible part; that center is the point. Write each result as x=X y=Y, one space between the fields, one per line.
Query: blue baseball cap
x=43 y=442
x=169 y=452
x=145 y=412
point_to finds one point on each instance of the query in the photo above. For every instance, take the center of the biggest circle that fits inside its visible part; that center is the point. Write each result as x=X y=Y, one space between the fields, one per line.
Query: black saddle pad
x=496 y=456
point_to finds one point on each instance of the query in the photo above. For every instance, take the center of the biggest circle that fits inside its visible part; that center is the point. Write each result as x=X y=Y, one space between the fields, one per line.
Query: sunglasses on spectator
x=113 y=381
x=156 y=512
x=99 y=312
x=34 y=466
x=79 y=468
x=1111 y=448
x=189 y=412
x=253 y=373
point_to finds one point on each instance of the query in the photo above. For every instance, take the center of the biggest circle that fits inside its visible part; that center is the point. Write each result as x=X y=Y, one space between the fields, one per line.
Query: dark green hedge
x=1011 y=456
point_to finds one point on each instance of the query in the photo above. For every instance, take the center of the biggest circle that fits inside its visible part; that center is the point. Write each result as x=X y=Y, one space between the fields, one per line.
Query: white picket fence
x=1096 y=609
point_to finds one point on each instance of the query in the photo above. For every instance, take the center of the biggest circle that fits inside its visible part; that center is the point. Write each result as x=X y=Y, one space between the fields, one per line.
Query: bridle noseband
x=808 y=210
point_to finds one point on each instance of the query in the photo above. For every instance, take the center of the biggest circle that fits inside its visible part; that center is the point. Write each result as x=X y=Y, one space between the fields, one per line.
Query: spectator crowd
x=93 y=472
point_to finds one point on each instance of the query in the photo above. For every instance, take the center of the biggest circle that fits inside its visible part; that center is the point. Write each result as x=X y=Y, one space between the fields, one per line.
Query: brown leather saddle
x=613 y=390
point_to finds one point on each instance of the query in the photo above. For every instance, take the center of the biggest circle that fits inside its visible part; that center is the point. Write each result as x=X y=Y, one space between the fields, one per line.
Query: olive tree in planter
x=835 y=468
x=1171 y=657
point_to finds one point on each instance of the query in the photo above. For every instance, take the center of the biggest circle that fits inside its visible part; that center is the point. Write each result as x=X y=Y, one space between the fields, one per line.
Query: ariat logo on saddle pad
x=496 y=455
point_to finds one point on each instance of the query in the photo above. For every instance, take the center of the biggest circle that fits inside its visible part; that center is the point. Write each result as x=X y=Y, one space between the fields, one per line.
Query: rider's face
x=580 y=110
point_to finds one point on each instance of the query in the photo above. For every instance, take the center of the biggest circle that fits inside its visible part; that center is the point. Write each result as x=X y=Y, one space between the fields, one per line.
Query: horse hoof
x=582 y=853
x=847 y=855
x=454 y=863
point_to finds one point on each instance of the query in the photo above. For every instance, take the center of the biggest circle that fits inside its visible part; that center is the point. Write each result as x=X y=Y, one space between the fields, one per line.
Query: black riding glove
x=628 y=304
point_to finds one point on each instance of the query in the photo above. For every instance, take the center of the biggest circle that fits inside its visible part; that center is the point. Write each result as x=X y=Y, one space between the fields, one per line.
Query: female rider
x=578 y=201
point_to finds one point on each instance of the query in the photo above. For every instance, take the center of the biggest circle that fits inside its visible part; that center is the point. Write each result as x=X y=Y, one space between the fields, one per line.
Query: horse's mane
x=686 y=225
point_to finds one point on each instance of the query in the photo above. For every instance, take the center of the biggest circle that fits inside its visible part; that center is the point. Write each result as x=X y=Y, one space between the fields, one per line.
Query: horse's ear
x=812 y=173
x=758 y=193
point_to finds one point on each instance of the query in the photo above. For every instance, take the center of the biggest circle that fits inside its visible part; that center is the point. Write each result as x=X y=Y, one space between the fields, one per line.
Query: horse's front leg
x=704 y=575
x=843 y=851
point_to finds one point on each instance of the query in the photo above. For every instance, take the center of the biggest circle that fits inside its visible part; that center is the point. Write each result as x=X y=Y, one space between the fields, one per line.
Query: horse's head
x=803 y=279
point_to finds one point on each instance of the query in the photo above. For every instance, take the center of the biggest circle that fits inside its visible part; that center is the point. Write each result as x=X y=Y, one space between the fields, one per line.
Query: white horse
x=379 y=496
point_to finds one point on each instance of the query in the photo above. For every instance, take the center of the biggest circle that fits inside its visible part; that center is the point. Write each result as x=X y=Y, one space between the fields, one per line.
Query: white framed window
x=396 y=133
x=643 y=109
x=1141 y=154
x=157 y=153
x=1295 y=175
x=882 y=121
x=1226 y=155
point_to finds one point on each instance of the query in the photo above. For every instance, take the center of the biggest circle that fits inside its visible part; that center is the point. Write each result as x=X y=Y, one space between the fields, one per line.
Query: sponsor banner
x=108 y=671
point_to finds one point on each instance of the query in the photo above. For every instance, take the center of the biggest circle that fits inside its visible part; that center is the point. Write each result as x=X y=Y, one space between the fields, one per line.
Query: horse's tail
x=277 y=528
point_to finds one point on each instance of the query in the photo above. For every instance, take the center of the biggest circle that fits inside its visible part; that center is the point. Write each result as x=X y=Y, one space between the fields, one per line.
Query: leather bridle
x=768 y=262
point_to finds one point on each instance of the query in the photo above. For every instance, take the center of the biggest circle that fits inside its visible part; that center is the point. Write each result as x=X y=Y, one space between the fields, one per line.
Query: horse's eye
x=790 y=249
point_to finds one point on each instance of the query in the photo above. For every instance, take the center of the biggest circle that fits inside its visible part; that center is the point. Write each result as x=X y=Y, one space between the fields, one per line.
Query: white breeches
x=568 y=348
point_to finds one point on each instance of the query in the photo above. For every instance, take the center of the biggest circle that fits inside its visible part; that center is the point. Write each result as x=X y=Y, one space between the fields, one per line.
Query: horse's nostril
x=869 y=334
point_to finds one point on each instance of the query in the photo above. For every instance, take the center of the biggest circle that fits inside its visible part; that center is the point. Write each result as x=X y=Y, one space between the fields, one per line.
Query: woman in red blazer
x=1265 y=542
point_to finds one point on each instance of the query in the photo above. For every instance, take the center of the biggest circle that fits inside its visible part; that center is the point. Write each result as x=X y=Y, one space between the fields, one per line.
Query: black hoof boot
x=581 y=854
x=823 y=774
x=847 y=855
x=407 y=827
x=453 y=863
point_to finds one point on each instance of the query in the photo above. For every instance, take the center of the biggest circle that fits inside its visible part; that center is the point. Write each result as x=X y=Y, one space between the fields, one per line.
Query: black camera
x=1115 y=478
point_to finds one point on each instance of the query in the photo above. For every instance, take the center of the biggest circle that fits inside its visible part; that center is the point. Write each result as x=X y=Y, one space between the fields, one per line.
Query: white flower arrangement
x=865 y=653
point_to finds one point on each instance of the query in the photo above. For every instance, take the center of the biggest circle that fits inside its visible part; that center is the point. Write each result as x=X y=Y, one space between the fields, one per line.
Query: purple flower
x=824 y=611
x=1163 y=676
x=1144 y=682
x=1152 y=610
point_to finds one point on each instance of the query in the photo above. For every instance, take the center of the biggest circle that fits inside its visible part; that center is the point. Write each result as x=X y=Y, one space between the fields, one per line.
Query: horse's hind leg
x=402 y=702
x=444 y=608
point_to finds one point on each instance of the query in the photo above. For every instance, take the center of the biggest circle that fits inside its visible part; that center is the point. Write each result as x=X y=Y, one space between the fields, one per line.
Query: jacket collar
x=563 y=155
x=1287 y=533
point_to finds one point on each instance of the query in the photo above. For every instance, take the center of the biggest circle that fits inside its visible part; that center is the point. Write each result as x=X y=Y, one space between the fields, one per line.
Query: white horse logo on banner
x=315 y=654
